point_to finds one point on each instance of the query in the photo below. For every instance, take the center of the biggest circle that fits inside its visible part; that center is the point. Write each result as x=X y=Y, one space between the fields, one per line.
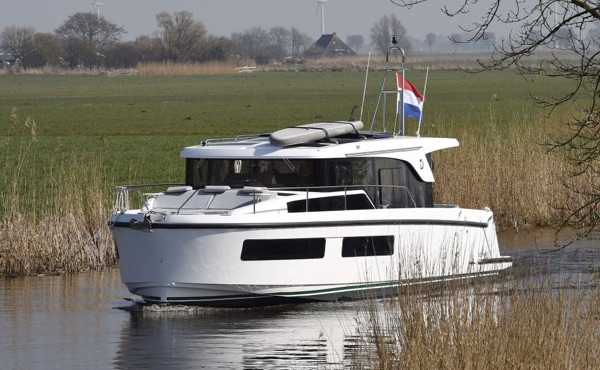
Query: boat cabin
x=389 y=183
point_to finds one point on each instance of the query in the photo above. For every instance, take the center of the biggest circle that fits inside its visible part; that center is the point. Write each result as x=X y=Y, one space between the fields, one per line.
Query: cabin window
x=283 y=249
x=368 y=246
x=401 y=186
x=337 y=203
x=352 y=173
x=388 y=182
x=394 y=191
x=238 y=173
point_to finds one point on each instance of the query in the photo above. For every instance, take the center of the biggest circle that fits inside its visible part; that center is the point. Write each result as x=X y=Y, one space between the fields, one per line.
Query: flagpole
x=423 y=107
x=365 y=88
x=403 y=90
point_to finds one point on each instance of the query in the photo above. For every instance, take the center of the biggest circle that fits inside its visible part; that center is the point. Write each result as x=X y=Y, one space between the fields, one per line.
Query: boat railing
x=123 y=195
x=345 y=188
x=140 y=194
x=233 y=139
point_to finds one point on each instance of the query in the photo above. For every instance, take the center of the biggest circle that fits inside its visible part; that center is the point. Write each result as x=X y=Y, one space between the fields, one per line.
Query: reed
x=53 y=212
x=525 y=325
x=507 y=167
x=182 y=69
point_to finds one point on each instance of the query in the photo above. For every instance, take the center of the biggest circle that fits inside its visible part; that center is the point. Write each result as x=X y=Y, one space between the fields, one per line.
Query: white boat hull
x=195 y=259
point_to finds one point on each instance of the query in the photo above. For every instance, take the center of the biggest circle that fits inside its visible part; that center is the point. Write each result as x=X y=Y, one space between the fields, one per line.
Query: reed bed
x=54 y=213
x=170 y=69
x=523 y=327
x=509 y=168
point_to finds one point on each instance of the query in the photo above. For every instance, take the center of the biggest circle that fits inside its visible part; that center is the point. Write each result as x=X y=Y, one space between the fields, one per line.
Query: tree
x=383 y=30
x=121 y=55
x=356 y=42
x=430 y=39
x=550 y=25
x=299 y=41
x=85 y=36
x=456 y=39
x=181 y=36
x=18 y=41
x=280 y=38
x=217 y=48
x=148 y=49
x=251 y=42
x=48 y=50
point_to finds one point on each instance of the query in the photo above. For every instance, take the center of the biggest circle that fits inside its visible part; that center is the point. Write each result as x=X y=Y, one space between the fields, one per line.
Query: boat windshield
x=389 y=183
x=238 y=173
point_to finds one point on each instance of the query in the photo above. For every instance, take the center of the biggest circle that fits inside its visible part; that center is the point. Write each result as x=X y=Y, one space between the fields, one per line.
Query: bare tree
x=217 y=48
x=251 y=42
x=149 y=49
x=280 y=37
x=299 y=41
x=430 y=39
x=383 y=30
x=18 y=41
x=85 y=36
x=356 y=42
x=181 y=36
x=456 y=39
x=555 y=26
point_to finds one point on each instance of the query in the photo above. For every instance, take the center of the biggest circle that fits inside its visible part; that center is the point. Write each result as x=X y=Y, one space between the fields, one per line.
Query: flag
x=413 y=99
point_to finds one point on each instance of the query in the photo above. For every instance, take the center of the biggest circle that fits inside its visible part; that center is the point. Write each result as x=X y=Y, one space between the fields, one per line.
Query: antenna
x=97 y=6
x=322 y=6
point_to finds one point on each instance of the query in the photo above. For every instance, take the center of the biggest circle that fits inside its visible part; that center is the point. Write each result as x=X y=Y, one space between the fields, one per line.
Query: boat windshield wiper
x=289 y=164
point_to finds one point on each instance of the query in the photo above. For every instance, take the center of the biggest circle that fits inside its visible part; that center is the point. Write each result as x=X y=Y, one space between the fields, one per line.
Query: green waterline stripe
x=366 y=286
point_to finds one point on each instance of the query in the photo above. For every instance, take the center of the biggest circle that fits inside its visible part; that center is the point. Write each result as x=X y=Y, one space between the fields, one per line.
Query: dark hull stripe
x=295 y=225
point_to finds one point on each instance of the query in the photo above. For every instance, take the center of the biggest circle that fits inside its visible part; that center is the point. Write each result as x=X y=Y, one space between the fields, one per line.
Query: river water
x=90 y=321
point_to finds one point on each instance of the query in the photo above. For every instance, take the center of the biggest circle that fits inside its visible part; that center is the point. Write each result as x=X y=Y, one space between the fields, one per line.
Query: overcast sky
x=223 y=17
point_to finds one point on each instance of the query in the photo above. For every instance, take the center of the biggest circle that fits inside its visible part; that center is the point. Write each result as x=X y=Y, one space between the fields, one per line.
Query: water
x=90 y=321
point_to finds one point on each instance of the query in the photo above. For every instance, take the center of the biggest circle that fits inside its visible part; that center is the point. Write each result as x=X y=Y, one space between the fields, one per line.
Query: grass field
x=144 y=121
x=68 y=139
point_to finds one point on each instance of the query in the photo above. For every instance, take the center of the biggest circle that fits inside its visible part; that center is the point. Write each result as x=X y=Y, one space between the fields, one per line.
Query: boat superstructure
x=321 y=211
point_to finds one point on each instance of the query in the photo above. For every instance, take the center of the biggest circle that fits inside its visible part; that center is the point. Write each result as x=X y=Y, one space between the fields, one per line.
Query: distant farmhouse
x=329 y=46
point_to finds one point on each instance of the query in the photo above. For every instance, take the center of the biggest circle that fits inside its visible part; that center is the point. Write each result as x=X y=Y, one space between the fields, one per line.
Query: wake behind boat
x=322 y=211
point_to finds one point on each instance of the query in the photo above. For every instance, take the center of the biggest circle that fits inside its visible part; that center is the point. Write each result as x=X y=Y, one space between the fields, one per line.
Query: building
x=329 y=45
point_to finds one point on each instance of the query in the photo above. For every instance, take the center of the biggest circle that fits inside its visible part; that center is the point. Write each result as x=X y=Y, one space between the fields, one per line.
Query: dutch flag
x=413 y=99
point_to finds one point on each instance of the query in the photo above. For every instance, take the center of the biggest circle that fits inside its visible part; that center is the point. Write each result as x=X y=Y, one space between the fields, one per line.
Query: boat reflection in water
x=289 y=336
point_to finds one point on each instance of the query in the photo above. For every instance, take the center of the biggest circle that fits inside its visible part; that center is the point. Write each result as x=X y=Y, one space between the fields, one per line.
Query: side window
x=367 y=246
x=282 y=249
x=401 y=186
x=394 y=192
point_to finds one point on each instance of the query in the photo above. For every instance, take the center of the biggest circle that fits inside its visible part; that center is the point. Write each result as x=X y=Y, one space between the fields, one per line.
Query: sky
x=223 y=17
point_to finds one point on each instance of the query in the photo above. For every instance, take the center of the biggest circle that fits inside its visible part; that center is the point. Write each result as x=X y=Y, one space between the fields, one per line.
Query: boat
x=318 y=212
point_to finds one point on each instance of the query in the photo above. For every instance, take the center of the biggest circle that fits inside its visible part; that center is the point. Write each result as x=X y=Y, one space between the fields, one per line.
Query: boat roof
x=361 y=144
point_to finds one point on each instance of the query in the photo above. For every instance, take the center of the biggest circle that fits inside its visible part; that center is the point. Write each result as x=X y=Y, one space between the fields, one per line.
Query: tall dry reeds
x=53 y=216
x=482 y=327
x=169 y=68
x=508 y=168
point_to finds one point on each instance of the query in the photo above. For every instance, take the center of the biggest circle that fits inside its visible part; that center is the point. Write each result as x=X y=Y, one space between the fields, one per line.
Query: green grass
x=137 y=125
x=229 y=104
